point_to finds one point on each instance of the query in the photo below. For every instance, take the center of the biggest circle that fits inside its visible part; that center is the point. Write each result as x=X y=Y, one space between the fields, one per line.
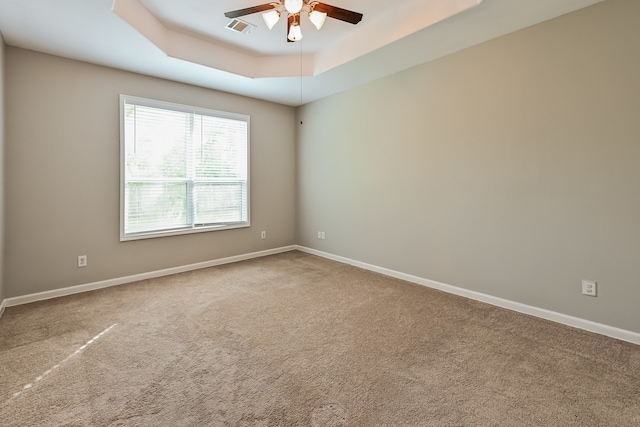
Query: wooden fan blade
x=339 y=13
x=249 y=10
x=290 y=20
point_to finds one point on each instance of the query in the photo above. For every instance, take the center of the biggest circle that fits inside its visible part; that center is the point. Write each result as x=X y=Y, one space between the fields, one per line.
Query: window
x=183 y=169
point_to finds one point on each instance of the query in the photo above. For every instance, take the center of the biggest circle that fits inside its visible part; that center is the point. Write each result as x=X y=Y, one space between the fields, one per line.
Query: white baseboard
x=40 y=296
x=587 y=325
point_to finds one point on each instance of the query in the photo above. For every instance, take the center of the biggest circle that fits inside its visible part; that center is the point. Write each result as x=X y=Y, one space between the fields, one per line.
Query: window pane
x=157 y=142
x=222 y=149
x=219 y=202
x=155 y=206
x=184 y=169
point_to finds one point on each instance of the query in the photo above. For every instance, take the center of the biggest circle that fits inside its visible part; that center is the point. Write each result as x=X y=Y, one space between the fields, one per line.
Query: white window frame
x=193 y=228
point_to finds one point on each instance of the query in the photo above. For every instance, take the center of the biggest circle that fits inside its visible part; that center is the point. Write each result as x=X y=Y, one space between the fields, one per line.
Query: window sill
x=124 y=237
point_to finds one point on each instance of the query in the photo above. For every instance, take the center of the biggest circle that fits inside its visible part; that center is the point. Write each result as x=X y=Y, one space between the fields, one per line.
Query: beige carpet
x=297 y=340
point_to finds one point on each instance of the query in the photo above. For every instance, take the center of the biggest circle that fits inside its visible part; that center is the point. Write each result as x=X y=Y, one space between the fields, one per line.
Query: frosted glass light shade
x=293 y=6
x=317 y=18
x=295 y=33
x=271 y=17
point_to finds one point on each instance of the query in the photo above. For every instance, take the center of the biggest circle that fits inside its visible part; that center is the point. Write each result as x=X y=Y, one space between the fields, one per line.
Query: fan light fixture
x=271 y=18
x=317 y=18
x=295 y=33
x=293 y=6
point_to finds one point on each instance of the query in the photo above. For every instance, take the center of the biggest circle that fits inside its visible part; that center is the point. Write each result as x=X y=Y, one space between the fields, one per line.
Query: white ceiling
x=187 y=41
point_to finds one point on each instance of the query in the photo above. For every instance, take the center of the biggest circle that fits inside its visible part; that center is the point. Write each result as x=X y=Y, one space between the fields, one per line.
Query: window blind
x=184 y=169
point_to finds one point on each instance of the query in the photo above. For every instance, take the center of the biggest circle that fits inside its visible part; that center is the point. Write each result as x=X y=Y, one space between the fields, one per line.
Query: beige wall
x=62 y=175
x=1 y=168
x=511 y=168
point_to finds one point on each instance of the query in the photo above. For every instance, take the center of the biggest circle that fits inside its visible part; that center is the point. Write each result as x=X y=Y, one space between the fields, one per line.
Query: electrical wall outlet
x=263 y=235
x=589 y=288
x=321 y=235
x=82 y=260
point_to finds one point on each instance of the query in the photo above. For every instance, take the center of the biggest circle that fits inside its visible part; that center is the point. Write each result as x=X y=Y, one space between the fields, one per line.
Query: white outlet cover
x=589 y=288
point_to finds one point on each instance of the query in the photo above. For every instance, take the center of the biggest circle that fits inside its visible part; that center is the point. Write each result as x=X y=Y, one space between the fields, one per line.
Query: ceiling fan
x=317 y=12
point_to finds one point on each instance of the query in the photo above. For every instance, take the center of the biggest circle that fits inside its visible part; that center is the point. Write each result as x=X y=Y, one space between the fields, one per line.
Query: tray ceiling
x=187 y=41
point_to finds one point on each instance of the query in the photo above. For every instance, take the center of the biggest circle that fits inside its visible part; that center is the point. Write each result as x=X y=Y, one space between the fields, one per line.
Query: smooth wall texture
x=2 y=84
x=510 y=168
x=62 y=175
